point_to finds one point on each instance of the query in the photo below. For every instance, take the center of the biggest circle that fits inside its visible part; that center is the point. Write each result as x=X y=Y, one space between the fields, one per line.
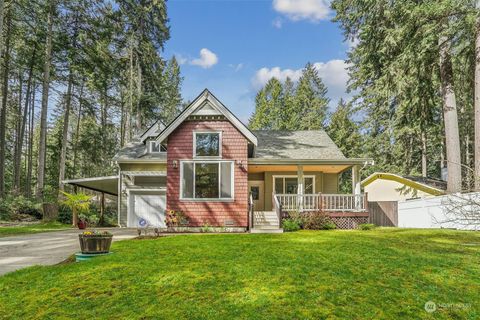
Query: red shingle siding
x=234 y=147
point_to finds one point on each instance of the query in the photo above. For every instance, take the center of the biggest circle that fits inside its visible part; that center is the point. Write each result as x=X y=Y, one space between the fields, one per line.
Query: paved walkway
x=46 y=248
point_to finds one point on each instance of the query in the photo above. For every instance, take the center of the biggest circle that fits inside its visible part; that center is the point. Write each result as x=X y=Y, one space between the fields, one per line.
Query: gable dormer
x=207 y=107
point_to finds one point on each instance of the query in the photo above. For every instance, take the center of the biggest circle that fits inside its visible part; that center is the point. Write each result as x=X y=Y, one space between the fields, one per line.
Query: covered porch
x=285 y=186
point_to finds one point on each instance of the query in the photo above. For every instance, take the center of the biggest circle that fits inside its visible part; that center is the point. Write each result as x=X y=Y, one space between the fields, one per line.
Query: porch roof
x=107 y=185
x=321 y=165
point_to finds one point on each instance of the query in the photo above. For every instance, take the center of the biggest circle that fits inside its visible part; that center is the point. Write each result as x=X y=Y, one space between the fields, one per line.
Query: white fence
x=459 y=211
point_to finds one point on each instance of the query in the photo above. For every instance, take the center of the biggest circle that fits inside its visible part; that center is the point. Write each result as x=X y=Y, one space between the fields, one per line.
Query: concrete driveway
x=46 y=248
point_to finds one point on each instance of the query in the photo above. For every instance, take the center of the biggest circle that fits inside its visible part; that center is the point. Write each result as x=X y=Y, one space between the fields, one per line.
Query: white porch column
x=300 y=187
x=356 y=187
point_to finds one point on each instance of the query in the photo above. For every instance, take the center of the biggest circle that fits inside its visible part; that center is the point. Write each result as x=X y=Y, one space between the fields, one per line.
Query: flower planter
x=95 y=243
x=82 y=224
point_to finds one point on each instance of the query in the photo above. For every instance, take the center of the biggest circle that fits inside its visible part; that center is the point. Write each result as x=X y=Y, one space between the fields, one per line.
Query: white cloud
x=313 y=10
x=236 y=67
x=333 y=73
x=206 y=60
x=277 y=23
x=180 y=59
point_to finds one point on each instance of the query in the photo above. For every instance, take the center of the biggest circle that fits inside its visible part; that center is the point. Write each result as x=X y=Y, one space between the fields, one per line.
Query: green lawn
x=386 y=273
x=33 y=228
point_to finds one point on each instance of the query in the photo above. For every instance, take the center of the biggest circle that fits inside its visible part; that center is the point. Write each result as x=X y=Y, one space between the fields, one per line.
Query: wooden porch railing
x=277 y=205
x=250 y=212
x=322 y=202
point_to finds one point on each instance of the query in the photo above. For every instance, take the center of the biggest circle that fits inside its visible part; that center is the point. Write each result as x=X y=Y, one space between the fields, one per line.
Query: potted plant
x=94 y=242
x=78 y=203
x=82 y=222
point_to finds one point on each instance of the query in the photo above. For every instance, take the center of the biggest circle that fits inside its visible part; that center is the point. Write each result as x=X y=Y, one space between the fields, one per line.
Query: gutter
x=351 y=161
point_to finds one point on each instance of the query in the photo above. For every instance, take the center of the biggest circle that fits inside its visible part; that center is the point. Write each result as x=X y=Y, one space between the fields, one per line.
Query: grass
x=383 y=273
x=32 y=228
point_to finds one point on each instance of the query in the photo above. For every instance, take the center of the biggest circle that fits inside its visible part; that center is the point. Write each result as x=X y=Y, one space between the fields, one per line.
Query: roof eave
x=346 y=161
x=161 y=161
x=395 y=177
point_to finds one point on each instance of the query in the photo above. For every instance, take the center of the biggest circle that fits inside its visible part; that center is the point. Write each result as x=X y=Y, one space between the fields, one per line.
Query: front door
x=256 y=189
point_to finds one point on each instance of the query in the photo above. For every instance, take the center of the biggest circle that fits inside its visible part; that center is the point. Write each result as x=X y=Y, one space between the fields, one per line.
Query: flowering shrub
x=95 y=233
x=318 y=221
x=175 y=219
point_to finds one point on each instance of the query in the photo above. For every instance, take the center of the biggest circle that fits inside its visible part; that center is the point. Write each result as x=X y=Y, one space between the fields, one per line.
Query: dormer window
x=157 y=147
x=207 y=144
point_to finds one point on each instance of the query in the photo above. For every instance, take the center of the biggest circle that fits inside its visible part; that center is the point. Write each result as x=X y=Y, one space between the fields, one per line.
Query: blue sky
x=233 y=47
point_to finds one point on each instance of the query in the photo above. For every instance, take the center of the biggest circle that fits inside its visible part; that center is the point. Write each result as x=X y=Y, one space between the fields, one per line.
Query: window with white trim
x=209 y=180
x=207 y=144
x=289 y=184
x=157 y=147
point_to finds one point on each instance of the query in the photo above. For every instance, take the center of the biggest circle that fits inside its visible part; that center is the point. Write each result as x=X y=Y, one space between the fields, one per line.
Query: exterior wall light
x=175 y=164
x=239 y=163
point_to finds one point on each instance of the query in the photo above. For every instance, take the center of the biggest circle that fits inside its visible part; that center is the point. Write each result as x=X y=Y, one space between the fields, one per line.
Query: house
x=382 y=186
x=208 y=166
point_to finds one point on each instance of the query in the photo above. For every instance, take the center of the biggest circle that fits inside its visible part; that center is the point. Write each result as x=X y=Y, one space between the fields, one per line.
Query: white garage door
x=147 y=209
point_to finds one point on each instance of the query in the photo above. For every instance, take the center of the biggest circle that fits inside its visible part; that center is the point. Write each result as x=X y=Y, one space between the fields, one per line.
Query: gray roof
x=137 y=150
x=308 y=145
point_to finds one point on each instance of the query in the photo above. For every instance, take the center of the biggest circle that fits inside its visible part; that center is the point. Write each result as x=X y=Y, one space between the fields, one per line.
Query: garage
x=147 y=209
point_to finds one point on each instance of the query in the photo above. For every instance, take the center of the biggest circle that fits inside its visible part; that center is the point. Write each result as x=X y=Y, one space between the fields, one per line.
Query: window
x=289 y=184
x=255 y=192
x=157 y=147
x=207 y=144
x=206 y=180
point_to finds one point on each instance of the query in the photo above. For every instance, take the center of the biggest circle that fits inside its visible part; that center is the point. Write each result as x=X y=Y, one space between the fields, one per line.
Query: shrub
x=206 y=228
x=366 y=226
x=13 y=206
x=93 y=220
x=290 y=225
x=64 y=215
x=317 y=221
x=329 y=226
x=176 y=218
x=298 y=217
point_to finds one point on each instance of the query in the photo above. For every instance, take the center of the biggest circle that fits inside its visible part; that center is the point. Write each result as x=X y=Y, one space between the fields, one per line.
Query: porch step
x=265 y=222
x=255 y=230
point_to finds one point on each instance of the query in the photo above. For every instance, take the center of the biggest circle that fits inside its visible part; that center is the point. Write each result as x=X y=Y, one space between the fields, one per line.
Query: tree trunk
x=128 y=120
x=66 y=117
x=452 y=138
x=77 y=131
x=101 y=221
x=42 y=147
x=21 y=133
x=424 y=153
x=28 y=181
x=139 y=121
x=3 y=113
x=17 y=149
x=468 y=176
x=74 y=217
x=477 y=103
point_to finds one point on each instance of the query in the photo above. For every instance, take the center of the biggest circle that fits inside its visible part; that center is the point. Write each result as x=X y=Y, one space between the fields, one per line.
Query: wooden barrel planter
x=94 y=243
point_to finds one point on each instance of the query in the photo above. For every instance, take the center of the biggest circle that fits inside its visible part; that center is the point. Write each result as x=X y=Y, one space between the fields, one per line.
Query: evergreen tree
x=269 y=107
x=311 y=102
x=344 y=131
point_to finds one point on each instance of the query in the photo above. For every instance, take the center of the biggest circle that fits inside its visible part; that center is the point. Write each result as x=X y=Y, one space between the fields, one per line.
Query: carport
x=108 y=185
